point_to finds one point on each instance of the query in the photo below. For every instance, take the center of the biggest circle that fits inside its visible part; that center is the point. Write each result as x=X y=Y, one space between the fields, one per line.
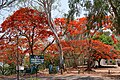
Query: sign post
x=36 y=59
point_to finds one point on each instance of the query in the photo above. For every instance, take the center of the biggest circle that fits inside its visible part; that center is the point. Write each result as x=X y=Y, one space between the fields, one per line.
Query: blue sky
x=62 y=8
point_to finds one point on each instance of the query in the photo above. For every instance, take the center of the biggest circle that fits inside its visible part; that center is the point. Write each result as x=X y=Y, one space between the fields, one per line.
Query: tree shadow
x=89 y=78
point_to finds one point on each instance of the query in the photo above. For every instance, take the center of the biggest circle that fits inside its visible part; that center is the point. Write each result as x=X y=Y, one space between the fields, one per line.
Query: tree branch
x=6 y=3
x=113 y=7
x=47 y=47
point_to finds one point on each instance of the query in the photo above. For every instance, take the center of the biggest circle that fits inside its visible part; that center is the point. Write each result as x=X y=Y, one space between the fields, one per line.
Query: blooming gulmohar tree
x=8 y=54
x=29 y=24
x=79 y=33
x=71 y=30
x=99 y=50
x=26 y=31
x=11 y=53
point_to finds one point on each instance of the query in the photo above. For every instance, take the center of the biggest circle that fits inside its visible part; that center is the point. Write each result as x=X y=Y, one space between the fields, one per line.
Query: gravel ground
x=99 y=74
x=67 y=77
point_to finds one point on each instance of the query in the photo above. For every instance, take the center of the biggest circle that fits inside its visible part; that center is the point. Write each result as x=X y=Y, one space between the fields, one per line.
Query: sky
x=59 y=11
x=62 y=8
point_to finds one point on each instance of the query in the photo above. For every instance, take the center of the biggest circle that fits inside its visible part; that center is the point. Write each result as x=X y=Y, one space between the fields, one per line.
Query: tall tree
x=74 y=11
x=47 y=7
x=27 y=23
x=105 y=7
x=114 y=6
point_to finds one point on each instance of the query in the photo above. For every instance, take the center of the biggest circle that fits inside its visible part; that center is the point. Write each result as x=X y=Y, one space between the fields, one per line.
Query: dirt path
x=72 y=74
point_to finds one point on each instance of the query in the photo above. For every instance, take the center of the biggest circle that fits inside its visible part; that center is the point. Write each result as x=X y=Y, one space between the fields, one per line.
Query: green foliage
x=41 y=66
x=7 y=69
x=105 y=39
x=54 y=70
x=115 y=6
x=104 y=7
x=117 y=46
x=74 y=6
x=51 y=60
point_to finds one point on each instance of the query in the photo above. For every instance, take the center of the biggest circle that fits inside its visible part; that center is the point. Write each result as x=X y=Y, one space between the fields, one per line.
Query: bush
x=7 y=69
x=49 y=59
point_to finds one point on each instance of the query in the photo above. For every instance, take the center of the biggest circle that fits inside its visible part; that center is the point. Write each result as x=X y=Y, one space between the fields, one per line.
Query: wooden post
x=108 y=71
x=17 y=60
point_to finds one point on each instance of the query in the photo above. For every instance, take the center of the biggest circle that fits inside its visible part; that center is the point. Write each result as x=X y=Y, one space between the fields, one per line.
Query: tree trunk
x=75 y=61
x=88 y=65
x=17 y=61
x=99 y=65
x=47 y=5
x=118 y=25
x=89 y=61
x=75 y=64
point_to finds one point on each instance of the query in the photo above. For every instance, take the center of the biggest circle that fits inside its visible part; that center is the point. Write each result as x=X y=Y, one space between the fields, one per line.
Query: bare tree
x=6 y=3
